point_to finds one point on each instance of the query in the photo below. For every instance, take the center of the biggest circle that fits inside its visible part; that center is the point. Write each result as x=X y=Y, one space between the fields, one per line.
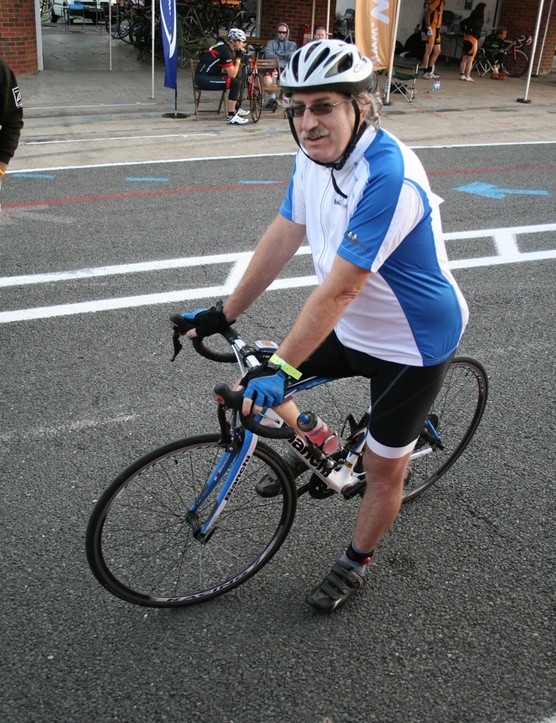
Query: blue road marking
x=256 y=183
x=34 y=175
x=159 y=180
x=489 y=190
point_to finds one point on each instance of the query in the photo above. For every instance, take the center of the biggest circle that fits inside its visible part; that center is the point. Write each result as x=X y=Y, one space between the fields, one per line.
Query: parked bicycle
x=251 y=83
x=185 y=524
x=516 y=60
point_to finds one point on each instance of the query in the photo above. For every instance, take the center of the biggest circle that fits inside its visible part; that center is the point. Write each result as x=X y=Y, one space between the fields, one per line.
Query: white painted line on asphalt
x=505 y=240
x=203 y=159
x=117 y=138
x=151 y=162
x=125 y=269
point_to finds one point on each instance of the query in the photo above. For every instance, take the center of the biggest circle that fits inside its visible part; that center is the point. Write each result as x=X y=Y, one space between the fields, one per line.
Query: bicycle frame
x=235 y=461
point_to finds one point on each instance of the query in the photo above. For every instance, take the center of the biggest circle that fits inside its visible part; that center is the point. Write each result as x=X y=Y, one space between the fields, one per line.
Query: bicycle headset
x=330 y=65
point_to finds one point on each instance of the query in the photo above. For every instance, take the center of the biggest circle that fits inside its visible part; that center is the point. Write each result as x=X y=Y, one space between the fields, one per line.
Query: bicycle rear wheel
x=256 y=99
x=455 y=416
x=140 y=539
x=516 y=64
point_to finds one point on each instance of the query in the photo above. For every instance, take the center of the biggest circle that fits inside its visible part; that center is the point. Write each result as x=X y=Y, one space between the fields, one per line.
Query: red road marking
x=242 y=187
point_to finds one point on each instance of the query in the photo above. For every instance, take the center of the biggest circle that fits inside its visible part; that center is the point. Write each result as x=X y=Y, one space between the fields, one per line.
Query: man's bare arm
x=276 y=247
x=323 y=310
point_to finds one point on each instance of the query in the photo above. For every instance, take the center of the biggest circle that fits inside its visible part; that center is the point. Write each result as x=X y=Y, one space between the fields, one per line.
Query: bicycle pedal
x=354 y=490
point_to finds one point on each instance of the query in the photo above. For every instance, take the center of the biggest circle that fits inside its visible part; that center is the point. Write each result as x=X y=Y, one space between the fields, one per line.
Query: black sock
x=358 y=556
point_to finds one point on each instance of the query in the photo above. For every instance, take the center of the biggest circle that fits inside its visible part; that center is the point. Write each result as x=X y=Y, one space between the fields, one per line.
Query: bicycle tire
x=243 y=84
x=256 y=99
x=516 y=64
x=456 y=414
x=141 y=548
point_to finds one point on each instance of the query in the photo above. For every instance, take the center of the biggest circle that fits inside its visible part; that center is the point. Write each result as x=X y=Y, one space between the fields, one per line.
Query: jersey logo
x=340 y=202
x=17 y=97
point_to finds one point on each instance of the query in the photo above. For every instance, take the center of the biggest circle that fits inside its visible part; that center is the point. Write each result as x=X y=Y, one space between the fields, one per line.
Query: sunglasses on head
x=324 y=108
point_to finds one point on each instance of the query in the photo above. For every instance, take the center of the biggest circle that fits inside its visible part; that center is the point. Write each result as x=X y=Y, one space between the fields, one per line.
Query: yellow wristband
x=285 y=367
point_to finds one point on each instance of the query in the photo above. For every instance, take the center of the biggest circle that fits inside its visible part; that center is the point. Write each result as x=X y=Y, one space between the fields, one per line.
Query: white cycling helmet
x=328 y=65
x=236 y=34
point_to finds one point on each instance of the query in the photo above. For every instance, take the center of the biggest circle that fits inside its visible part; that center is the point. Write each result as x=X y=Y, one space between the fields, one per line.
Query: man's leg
x=434 y=56
x=383 y=498
x=401 y=396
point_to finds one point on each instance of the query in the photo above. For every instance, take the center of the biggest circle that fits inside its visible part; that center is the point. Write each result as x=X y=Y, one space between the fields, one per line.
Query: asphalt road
x=455 y=622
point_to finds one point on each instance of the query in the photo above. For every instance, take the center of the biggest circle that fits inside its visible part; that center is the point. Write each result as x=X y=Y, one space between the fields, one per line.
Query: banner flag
x=375 y=30
x=168 y=25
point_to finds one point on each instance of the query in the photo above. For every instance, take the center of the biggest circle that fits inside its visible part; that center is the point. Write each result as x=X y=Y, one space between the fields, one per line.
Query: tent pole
x=525 y=99
x=152 y=48
x=541 y=51
x=391 y=65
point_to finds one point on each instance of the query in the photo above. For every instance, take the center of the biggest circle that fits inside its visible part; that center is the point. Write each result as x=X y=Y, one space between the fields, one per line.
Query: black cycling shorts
x=401 y=395
x=218 y=82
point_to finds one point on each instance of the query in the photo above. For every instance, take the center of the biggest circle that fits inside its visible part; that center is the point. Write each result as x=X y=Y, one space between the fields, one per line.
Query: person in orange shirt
x=430 y=31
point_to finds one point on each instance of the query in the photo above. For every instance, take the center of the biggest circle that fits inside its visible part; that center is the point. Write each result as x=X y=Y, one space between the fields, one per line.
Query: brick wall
x=18 y=39
x=520 y=17
x=296 y=13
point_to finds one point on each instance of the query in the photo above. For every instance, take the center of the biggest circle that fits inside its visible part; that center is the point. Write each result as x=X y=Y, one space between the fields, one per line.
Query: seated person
x=219 y=68
x=320 y=33
x=282 y=48
x=495 y=50
x=414 y=46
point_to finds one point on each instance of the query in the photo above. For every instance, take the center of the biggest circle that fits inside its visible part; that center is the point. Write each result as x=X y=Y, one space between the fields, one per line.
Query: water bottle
x=318 y=432
x=274 y=77
x=436 y=85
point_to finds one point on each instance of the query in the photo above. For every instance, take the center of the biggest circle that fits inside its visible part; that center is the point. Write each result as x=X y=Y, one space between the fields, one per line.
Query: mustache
x=314 y=133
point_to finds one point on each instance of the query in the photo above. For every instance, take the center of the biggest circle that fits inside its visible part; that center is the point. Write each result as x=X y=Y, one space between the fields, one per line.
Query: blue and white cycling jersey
x=411 y=311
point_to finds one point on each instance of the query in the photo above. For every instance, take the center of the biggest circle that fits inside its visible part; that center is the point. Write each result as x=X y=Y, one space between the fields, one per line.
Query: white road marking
x=254 y=155
x=505 y=240
x=105 y=139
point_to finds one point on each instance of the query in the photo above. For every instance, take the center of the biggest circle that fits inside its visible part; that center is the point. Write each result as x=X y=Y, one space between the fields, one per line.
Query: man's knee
x=385 y=472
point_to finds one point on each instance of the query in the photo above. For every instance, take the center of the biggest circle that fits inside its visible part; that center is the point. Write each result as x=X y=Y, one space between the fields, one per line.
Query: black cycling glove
x=207 y=322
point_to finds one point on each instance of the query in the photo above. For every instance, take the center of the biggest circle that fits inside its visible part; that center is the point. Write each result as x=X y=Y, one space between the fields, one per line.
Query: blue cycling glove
x=265 y=385
x=208 y=321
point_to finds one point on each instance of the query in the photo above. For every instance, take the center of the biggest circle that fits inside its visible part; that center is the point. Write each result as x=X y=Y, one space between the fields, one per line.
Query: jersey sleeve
x=293 y=205
x=226 y=57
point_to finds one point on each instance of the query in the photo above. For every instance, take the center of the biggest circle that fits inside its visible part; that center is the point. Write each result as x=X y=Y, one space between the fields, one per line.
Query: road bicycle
x=515 y=63
x=184 y=523
x=251 y=84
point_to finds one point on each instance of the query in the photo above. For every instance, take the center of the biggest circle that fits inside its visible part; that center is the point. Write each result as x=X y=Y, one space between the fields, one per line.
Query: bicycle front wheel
x=256 y=99
x=243 y=87
x=141 y=542
x=453 y=418
x=516 y=63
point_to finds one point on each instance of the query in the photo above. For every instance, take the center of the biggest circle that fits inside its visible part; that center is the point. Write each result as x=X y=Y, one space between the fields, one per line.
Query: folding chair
x=265 y=65
x=405 y=72
x=198 y=91
x=482 y=63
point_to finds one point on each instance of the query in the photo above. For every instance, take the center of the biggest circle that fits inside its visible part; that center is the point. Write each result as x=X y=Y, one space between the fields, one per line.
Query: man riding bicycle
x=386 y=307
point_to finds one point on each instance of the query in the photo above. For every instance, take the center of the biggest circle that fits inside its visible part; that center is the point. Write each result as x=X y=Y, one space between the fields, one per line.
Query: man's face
x=324 y=137
x=320 y=34
x=282 y=32
x=238 y=44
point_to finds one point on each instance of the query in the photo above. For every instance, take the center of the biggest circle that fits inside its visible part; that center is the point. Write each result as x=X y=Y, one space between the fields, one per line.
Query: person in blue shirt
x=280 y=47
x=386 y=306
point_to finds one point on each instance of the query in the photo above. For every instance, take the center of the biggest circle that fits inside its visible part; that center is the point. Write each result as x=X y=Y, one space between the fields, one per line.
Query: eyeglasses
x=325 y=108
x=282 y=32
